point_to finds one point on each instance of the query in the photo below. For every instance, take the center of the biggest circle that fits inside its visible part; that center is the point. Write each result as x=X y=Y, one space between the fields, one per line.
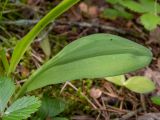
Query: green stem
x=22 y=46
x=54 y=13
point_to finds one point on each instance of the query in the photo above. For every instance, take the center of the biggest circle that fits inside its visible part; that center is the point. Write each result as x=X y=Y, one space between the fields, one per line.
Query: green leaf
x=1 y=68
x=22 y=45
x=45 y=45
x=140 y=84
x=118 y=80
x=150 y=21
x=112 y=1
x=59 y=118
x=4 y=59
x=51 y=107
x=156 y=100
x=7 y=89
x=114 y=13
x=132 y=5
x=94 y=56
x=143 y=6
x=22 y=108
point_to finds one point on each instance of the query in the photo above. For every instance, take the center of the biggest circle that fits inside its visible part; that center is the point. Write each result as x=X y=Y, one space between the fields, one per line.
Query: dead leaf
x=95 y=93
x=83 y=7
x=93 y=11
x=154 y=36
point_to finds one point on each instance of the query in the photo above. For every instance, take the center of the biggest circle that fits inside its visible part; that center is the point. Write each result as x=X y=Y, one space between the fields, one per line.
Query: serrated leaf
x=132 y=5
x=150 y=21
x=118 y=80
x=143 y=6
x=51 y=107
x=156 y=100
x=7 y=89
x=22 y=108
x=94 y=56
x=140 y=84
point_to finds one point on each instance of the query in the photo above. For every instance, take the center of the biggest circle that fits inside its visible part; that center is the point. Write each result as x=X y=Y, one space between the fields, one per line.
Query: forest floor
x=87 y=99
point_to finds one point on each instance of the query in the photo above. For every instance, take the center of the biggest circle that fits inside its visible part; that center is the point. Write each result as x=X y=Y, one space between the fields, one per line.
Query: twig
x=129 y=114
x=25 y=22
x=70 y=84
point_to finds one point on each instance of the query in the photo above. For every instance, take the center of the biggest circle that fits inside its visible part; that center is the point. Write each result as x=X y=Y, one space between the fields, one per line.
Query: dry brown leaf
x=93 y=11
x=95 y=93
x=83 y=7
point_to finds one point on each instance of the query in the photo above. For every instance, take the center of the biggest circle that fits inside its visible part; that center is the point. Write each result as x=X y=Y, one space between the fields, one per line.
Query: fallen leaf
x=95 y=93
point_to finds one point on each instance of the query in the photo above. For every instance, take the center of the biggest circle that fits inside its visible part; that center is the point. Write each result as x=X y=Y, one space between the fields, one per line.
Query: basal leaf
x=22 y=108
x=94 y=56
x=7 y=89
x=140 y=84
x=118 y=80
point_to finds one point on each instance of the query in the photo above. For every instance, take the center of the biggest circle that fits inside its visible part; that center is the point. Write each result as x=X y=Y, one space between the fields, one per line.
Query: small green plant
x=149 y=10
x=51 y=108
x=155 y=100
x=93 y=56
x=138 y=84
x=21 y=108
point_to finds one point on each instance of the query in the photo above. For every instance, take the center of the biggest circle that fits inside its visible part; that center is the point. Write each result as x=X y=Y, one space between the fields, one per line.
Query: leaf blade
x=118 y=80
x=22 y=45
x=81 y=60
x=150 y=21
x=140 y=84
x=51 y=107
x=22 y=108
x=7 y=89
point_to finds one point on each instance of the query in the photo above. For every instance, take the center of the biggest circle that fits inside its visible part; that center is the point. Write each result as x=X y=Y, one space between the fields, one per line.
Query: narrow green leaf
x=59 y=118
x=133 y=5
x=156 y=100
x=112 y=14
x=22 y=45
x=150 y=21
x=94 y=56
x=112 y=1
x=118 y=80
x=2 y=71
x=140 y=84
x=4 y=59
x=7 y=89
x=46 y=47
x=51 y=107
x=22 y=108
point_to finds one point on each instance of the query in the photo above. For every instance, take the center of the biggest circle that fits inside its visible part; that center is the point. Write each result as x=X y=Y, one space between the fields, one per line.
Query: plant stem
x=54 y=13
